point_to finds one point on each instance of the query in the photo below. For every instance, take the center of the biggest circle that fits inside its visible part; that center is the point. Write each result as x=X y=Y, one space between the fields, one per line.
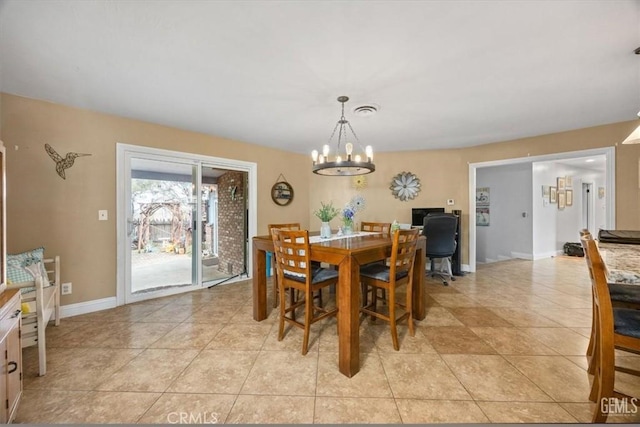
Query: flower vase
x=325 y=230
x=347 y=230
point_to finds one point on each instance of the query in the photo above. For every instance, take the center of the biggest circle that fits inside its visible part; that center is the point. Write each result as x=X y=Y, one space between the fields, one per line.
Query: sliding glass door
x=183 y=222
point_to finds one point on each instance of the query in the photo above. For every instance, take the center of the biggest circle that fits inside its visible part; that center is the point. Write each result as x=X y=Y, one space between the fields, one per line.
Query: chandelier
x=350 y=164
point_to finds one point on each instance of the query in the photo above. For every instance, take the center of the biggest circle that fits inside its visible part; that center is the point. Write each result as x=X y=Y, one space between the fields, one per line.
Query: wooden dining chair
x=271 y=227
x=382 y=227
x=296 y=273
x=622 y=295
x=389 y=277
x=616 y=328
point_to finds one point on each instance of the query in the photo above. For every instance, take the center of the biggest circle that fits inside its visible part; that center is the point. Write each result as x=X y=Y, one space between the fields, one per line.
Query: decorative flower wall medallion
x=357 y=203
x=405 y=186
x=359 y=182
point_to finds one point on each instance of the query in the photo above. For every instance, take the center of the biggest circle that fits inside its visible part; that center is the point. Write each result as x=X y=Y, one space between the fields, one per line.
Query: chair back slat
x=382 y=227
x=291 y=248
x=403 y=251
x=287 y=226
x=600 y=288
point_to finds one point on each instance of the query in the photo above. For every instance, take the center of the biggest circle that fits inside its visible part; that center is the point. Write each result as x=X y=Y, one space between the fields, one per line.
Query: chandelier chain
x=334 y=132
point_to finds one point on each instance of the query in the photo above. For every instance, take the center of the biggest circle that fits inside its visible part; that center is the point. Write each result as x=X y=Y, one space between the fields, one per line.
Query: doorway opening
x=550 y=221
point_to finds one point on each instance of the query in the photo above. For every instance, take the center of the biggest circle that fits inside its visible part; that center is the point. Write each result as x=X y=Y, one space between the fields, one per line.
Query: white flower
x=405 y=186
x=357 y=203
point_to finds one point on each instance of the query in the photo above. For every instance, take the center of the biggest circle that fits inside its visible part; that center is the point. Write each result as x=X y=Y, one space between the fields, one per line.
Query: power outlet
x=450 y=202
x=67 y=288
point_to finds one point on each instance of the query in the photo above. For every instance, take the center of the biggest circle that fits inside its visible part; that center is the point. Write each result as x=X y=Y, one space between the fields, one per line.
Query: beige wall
x=444 y=175
x=61 y=214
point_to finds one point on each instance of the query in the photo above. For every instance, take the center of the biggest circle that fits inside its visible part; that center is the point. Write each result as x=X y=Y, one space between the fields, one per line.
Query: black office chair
x=440 y=231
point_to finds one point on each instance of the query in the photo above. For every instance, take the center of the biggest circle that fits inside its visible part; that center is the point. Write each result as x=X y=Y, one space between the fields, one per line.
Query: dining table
x=348 y=253
x=621 y=256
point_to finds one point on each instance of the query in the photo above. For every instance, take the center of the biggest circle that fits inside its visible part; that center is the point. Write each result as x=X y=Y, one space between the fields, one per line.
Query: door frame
x=610 y=186
x=122 y=206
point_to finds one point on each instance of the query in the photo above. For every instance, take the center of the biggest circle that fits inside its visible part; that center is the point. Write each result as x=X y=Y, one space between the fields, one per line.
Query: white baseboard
x=503 y=258
x=465 y=267
x=547 y=254
x=521 y=255
x=87 y=307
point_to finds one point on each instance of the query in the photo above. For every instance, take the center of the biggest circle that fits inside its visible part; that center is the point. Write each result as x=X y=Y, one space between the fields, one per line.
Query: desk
x=348 y=254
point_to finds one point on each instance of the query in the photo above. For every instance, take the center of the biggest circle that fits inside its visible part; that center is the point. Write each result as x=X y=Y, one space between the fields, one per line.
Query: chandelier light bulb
x=314 y=155
x=348 y=148
x=338 y=159
x=357 y=157
x=325 y=150
x=369 y=152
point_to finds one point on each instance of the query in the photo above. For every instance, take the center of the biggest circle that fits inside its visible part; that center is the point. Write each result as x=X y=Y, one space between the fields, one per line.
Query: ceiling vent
x=366 y=110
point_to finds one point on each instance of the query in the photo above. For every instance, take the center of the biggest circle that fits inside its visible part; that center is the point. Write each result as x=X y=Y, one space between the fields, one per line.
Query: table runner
x=318 y=239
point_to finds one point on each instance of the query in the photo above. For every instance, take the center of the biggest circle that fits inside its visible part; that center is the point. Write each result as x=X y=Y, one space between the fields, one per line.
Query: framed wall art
x=561 y=183
x=482 y=216
x=553 y=195
x=562 y=200
x=282 y=192
x=569 y=200
x=482 y=196
x=545 y=191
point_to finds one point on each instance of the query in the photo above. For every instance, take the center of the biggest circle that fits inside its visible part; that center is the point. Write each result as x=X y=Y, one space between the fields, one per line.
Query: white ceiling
x=445 y=73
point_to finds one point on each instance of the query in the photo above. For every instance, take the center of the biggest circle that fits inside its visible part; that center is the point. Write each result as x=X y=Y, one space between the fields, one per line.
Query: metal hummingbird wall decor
x=62 y=163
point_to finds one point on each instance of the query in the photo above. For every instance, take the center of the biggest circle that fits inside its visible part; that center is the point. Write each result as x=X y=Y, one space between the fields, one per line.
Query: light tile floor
x=503 y=345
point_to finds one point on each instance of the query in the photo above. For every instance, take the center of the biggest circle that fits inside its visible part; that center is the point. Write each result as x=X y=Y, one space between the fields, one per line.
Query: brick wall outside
x=231 y=220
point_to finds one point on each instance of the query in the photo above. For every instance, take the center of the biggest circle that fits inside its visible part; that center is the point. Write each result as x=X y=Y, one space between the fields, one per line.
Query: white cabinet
x=10 y=354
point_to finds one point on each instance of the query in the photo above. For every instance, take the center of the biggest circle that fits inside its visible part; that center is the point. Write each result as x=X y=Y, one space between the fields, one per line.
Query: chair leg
x=42 y=347
x=392 y=319
x=592 y=341
x=282 y=313
x=374 y=301
x=308 y=315
x=604 y=378
x=275 y=281
x=605 y=391
x=409 y=307
x=292 y=301
x=365 y=294
x=596 y=367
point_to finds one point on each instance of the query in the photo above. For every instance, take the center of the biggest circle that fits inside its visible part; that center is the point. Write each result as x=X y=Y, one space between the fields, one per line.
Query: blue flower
x=347 y=215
